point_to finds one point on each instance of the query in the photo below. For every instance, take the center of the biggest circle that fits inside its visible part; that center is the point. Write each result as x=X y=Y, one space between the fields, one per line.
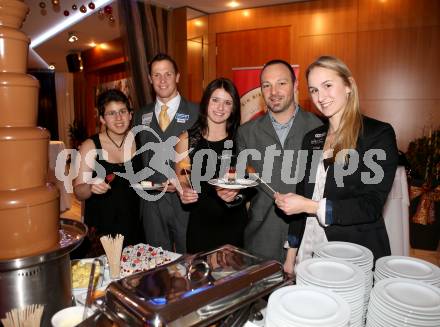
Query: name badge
x=146 y=118
x=182 y=118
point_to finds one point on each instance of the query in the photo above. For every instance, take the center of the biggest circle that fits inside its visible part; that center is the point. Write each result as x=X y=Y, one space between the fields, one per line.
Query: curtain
x=65 y=110
x=144 y=32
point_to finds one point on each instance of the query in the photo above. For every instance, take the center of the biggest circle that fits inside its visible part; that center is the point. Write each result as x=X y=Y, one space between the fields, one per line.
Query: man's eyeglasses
x=113 y=114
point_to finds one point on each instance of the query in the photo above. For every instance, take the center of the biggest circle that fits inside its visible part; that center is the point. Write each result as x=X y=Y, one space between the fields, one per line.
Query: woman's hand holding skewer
x=292 y=203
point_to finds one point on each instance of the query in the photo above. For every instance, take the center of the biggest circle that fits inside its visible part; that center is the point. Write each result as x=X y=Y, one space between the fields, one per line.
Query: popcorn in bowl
x=81 y=273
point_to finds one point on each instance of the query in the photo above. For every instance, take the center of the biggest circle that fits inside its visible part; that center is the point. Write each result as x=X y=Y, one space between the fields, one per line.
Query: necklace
x=116 y=144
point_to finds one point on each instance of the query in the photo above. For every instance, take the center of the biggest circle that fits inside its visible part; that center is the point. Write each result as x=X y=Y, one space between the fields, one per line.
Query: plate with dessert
x=147 y=186
x=233 y=184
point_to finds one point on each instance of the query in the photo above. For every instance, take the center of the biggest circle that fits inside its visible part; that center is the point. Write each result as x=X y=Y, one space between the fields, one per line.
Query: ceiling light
x=52 y=67
x=104 y=46
x=67 y=22
x=73 y=37
x=92 y=44
x=233 y=4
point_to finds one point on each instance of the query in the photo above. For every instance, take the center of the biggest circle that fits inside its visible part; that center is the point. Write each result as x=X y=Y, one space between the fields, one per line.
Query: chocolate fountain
x=34 y=242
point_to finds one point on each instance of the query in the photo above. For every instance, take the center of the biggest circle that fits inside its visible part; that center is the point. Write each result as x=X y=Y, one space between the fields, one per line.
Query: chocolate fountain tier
x=24 y=157
x=12 y=13
x=13 y=57
x=19 y=99
x=29 y=220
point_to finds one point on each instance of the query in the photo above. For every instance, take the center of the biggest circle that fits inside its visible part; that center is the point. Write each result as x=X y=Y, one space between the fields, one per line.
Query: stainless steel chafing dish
x=194 y=290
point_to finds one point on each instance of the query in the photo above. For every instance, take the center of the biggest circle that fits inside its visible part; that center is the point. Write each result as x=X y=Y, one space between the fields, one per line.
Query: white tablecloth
x=396 y=214
x=55 y=147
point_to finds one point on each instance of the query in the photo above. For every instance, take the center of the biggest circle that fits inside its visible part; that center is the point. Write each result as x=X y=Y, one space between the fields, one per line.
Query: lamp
x=72 y=37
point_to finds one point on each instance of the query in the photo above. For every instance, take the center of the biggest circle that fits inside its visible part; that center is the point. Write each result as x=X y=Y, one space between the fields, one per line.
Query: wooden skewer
x=188 y=179
x=262 y=181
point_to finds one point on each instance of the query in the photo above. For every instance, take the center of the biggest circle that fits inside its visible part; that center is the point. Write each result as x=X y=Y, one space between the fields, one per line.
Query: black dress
x=212 y=223
x=114 y=212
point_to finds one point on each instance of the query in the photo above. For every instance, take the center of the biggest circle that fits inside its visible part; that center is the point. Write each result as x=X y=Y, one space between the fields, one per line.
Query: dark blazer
x=267 y=229
x=354 y=206
x=164 y=220
x=185 y=117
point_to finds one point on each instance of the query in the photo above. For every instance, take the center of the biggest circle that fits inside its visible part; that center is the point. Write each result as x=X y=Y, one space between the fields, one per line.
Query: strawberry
x=109 y=178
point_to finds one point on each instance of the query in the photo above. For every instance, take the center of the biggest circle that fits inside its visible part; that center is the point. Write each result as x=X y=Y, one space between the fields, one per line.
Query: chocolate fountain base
x=43 y=278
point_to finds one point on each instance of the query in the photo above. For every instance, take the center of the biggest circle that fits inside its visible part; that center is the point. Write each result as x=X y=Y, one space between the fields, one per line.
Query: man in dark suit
x=164 y=219
x=275 y=134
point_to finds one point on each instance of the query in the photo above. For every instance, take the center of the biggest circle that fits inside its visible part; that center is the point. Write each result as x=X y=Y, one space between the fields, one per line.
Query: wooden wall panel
x=410 y=118
x=386 y=14
x=195 y=69
x=311 y=47
x=251 y=48
x=325 y=17
x=109 y=54
x=399 y=63
x=197 y=27
x=391 y=46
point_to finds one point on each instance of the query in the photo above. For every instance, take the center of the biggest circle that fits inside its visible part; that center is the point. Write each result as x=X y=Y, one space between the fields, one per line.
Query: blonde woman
x=342 y=195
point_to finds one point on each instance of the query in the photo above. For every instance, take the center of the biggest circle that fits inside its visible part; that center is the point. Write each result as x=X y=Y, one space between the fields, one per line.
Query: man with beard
x=282 y=128
x=164 y=220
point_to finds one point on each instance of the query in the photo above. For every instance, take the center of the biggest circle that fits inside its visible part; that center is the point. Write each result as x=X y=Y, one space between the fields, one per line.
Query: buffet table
x=396 y=214
x=190 y=290
x=55 y=147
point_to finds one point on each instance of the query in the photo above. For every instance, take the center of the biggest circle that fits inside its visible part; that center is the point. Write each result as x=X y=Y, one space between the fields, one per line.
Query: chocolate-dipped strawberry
x=109 y=178
x=231 y=175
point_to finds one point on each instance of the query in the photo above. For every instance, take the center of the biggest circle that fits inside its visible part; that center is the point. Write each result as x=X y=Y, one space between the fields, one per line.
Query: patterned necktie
x=164 y=119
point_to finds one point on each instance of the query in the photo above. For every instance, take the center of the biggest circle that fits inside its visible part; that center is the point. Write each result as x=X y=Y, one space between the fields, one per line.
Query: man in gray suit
x=282 y=128
x=164 y=220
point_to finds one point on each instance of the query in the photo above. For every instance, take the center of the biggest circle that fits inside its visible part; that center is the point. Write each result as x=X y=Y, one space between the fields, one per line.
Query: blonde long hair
x=351 y=120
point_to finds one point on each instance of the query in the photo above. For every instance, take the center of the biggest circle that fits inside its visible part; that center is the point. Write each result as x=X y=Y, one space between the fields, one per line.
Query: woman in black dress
x=111 y=205
x=214 y=220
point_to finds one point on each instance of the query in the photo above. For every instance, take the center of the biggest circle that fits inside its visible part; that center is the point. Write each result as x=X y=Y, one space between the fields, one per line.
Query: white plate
x=409 y=294
x=331 y=272
x=400 y=266
x=238 y=185
x=138 y=186
x=344 y=250
x=297 y=305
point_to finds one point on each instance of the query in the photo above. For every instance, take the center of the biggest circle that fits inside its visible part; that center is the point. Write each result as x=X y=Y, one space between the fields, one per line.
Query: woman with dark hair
x=214 y=220
x=111 y=205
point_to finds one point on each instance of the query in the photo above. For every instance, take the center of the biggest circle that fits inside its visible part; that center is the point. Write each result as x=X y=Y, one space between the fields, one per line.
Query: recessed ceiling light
x=67 y=21
x=51 y=67
x=233 y=4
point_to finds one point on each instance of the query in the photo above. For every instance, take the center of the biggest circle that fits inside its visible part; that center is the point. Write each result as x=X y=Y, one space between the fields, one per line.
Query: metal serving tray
x=193 y=290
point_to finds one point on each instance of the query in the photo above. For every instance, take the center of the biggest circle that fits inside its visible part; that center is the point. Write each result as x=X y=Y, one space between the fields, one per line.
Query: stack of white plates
x=407 y=267
x=354 y=253
x=402 y=302
x=306 y=306
x=342 y=277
